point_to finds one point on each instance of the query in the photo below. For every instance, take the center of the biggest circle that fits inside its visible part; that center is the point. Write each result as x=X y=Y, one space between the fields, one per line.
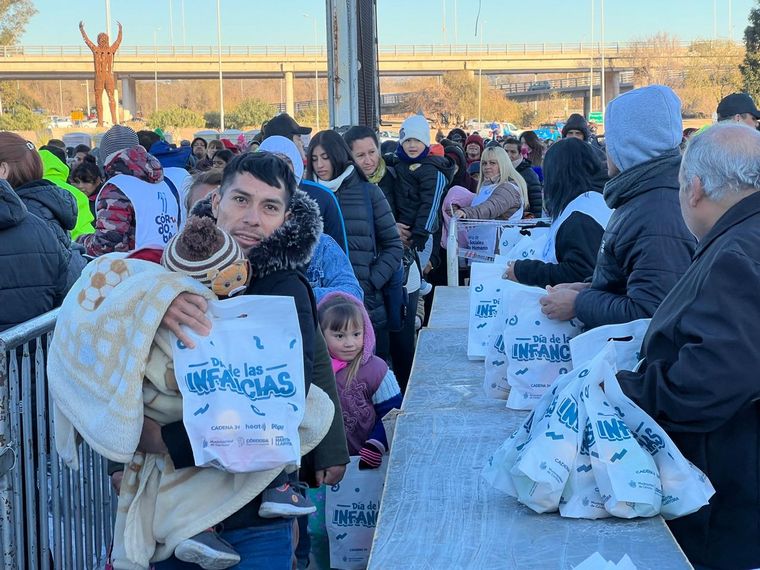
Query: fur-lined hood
x=291 y=246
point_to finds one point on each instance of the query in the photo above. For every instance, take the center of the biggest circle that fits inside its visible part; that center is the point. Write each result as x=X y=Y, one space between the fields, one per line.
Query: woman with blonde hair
x=502 y=193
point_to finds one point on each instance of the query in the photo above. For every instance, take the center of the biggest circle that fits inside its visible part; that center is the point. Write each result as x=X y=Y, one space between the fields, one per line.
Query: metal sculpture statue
x=103 y=54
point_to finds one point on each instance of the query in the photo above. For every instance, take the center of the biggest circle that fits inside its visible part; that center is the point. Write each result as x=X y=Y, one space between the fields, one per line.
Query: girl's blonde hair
x=338 y=314
x=507 y=172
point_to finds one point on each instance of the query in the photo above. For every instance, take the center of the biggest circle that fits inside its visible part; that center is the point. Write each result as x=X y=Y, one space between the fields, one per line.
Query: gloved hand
x=371 y=454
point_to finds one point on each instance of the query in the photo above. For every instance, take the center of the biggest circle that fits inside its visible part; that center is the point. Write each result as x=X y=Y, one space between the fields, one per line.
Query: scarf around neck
x=377 y=176
x=335 y=183
x=406 y=158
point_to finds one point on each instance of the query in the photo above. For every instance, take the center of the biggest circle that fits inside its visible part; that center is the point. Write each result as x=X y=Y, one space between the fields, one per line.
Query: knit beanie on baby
x=200 y=250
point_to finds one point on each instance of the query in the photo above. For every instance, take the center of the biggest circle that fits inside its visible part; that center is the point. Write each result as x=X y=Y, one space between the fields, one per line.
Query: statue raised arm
x=117 y=43
x=87 y=40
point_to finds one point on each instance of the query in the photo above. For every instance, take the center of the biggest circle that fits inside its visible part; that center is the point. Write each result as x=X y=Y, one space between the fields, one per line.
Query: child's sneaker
x=208 y=550
x=284 y=501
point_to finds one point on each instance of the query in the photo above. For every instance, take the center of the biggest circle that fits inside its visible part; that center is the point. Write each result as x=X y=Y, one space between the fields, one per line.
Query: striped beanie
x=115 y=139
x=201 y=250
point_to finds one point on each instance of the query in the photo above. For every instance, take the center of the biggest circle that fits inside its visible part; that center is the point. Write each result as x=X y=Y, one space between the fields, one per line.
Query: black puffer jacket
x=535 y=188
x=645 y=249
x=421 y=190
x=32 y=265
x=59 y=209
x=699 y=382
x=276 y=264
x=374 y=262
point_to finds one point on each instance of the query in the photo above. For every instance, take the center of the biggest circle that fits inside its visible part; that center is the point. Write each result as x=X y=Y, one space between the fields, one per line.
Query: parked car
x=59 y=122
x=387 y=136
x=510 y=130
x=540 y=86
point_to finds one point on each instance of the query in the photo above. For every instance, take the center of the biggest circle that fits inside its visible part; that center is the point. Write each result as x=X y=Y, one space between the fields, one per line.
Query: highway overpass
x=134 y=63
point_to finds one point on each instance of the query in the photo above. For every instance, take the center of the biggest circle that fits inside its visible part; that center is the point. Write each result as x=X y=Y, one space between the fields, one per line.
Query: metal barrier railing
x=50 y=516
x=485 y=252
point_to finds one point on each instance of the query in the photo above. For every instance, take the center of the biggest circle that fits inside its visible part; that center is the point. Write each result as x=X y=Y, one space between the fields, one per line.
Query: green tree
x=250 y=113
x=750 y=68
x=177 y=117
x=20 y=118
x=213 y=120
x=14 y=16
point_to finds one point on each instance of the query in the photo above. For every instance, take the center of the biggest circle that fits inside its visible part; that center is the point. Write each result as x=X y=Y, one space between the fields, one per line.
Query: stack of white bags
x=585 y=449
x=590 y=452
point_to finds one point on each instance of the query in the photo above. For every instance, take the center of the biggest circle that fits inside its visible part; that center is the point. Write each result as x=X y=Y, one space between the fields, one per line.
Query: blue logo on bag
x=568 y=413
x=648 y=439
x=253 y=382
x=539 y=347
x=613 y=429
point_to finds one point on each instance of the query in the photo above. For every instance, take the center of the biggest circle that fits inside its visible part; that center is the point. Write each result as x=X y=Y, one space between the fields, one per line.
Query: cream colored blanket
x=108 y=365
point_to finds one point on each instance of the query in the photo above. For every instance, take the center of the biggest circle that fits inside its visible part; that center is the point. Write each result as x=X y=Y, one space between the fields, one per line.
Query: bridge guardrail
x=610 y=49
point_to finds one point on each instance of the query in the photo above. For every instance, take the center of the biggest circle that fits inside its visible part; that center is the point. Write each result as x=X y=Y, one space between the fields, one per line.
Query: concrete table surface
x=450 y=307
x=437 y=513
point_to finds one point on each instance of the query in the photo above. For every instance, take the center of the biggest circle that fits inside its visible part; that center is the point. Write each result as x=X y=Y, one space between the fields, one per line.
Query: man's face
x=412 y=147
x=575 y=133
x=366 y=155
x=199 y=149
x=249 y=210
x=473 y=151
x=513 y=152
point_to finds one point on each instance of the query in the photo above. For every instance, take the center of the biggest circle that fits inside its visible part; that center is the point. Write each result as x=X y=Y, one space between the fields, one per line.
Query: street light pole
x=316 y=65
x=155 y=67
x=480 y=77
x=108 y=18
x=715 y=20
x=171 y=24
x=604 y=100
x=591 y=65
x=219 y=49
x=87 y=94
x=182 y=13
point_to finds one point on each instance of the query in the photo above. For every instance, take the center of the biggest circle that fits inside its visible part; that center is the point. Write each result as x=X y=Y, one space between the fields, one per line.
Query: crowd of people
x=652 y=221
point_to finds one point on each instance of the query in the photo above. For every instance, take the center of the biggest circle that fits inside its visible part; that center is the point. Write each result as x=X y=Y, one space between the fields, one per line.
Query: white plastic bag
x=543 y=465
x=351 y=509
x=685 y=489
x=243 y=385
x=498 y=470
x=529 y=247
x=581 y=498
x=495 y=383
x=537 y=348
x=626 y=475
x=511 y=236
x=485 y=296
x=627 y=338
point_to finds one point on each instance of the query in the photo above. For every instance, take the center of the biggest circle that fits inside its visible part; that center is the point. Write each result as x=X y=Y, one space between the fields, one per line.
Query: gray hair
x=725 y=158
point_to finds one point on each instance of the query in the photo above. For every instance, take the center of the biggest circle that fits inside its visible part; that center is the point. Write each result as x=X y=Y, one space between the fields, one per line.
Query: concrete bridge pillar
x=290 y=106
x=129 y=97
x=611 y=86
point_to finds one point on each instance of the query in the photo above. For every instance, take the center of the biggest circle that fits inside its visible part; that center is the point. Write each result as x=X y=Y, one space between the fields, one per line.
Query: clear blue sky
x=259 y=22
